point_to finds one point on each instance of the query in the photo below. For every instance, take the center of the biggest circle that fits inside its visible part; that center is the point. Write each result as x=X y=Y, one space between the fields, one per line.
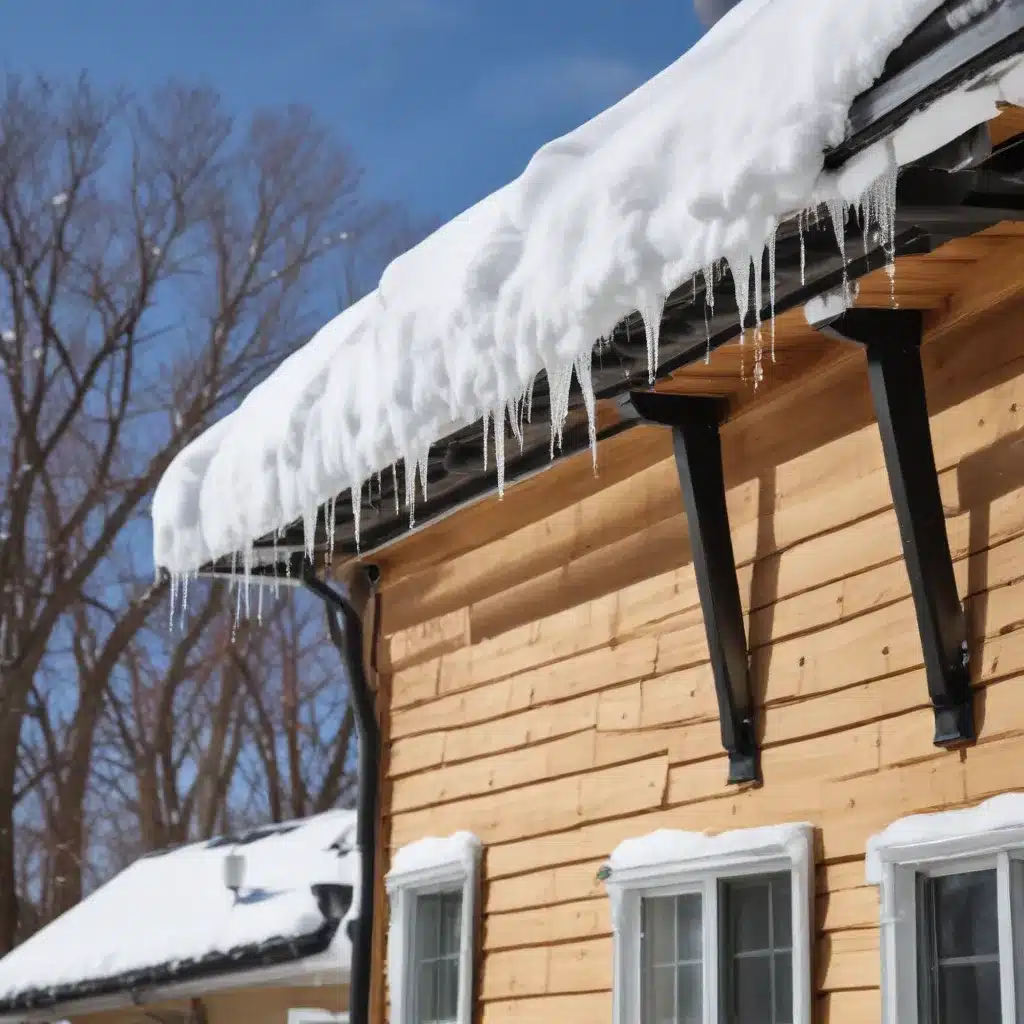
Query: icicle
x=247 y=557
x=309 y=520
x=487 y=429
x=837 y=211
x=651 y=308
x=741 y=287
x=771 y=285
x=238 y=613
x=357 y=511
x=529 y=401
x=173 y=600
x=515 y=422
x=184 y=600
x=394 y=483
x=883 y=194
x=259 y=606
x=582 y=365
x=410 y=488
x=422 y=466
x=803 y=248
x=758 y=304
x=709 y=304
x=559 y=386
x=499 y=449
x=277 y=561
x=329 y=514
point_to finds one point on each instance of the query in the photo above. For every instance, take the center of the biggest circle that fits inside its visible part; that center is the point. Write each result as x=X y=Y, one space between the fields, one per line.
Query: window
x=432 y=889
x=952 y=898
x=713 y=929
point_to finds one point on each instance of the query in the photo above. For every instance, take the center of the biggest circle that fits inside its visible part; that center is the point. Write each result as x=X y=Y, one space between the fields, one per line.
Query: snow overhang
x=627 y=230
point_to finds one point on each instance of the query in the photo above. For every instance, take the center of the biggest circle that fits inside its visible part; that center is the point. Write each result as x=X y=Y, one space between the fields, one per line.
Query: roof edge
x=135 y=985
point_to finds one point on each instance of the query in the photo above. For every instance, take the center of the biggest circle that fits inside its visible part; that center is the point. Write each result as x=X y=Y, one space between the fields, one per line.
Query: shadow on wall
x=709 y=11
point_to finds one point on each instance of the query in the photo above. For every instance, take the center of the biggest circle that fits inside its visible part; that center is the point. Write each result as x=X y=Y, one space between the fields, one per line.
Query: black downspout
x=347 y=636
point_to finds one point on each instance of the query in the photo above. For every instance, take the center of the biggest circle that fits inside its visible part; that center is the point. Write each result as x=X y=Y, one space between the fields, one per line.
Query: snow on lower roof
x=173 y=908
x=698 y=165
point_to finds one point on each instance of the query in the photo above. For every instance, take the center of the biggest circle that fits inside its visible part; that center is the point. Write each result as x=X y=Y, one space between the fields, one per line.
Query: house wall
x=240 y=1006
x=549 y=689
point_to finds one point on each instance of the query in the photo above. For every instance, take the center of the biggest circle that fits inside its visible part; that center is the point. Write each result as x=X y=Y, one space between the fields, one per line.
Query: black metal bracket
x=346 y=630
x=698 y=452
x=892 y=339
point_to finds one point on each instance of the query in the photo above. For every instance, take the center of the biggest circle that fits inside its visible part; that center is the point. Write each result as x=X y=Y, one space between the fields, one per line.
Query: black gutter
x=244 y=958
x=955 y=44
x=347 y=636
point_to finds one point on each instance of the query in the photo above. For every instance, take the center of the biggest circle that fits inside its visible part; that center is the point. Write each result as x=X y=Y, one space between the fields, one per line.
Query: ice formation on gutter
x=698 y=166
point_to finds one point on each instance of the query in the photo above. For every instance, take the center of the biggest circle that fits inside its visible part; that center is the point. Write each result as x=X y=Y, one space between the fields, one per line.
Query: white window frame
x=669 y=863
x=425 y=868
x=988 y=836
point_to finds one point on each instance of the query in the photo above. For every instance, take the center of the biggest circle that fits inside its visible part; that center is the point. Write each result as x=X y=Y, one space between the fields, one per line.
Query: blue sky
x=442 y=101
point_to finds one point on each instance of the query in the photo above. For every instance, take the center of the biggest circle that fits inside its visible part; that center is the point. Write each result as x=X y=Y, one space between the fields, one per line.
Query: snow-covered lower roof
x=698 y=165
x=170 y=917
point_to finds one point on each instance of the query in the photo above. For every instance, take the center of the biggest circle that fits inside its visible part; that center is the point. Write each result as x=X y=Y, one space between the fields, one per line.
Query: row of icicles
x=877 y=206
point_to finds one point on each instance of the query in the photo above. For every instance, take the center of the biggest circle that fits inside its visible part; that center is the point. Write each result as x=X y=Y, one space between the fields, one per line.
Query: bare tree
x=156 y=259
x=301 y=722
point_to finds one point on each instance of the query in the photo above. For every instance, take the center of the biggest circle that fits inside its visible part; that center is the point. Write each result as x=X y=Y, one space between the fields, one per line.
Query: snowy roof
x=699 y=165
x=170 y=917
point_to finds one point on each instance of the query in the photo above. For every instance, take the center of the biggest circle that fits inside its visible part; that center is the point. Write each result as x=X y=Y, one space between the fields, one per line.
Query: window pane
x=426 y=994
x=966 y=915
x=659 y=930
x=659 y=1003
x=757 y=936
x=1017 y=927
x=451 y=923
x=750 y=913
x=427 y=927
x=782 y=912
x=958 y=942
x=688 y=928
x=448 y=990
x=969 y=994
x=752 y=990
x=783 y=988
x=671 y=956
x=691 y=998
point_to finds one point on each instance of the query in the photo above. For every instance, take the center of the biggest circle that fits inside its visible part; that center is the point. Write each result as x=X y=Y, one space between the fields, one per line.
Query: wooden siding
x=549 y=686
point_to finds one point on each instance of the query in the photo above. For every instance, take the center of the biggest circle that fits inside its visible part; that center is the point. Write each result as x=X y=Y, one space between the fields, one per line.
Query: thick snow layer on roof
x=174 y=907
x=697 y=165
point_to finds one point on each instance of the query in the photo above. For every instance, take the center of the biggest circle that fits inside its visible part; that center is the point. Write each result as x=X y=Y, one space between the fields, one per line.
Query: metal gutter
x=132 y=986
x=315 y=971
